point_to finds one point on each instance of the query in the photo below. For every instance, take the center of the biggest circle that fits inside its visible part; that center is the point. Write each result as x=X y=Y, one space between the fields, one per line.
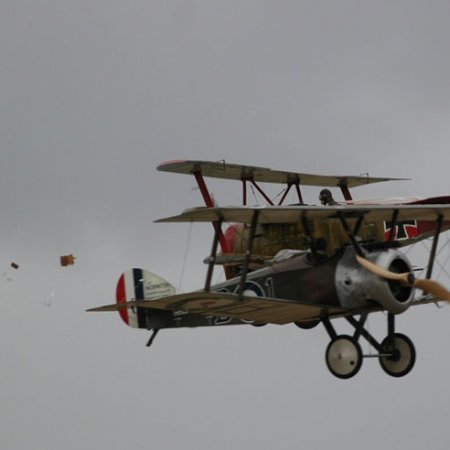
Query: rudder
x=139 y=284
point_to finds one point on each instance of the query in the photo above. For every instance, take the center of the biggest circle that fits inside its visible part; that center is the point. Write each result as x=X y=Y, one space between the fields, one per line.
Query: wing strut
x=212 y=258
x=393 y=225
x=248 y=254
x=434 y=246
x=252 y=181
x=345 y=191
x=286 y=191
x=357 y=226
x=309 y=235
x=209 y=202
x=350 y=235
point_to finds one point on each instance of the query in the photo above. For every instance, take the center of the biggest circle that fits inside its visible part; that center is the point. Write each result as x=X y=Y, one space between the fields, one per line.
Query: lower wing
x=257 y=309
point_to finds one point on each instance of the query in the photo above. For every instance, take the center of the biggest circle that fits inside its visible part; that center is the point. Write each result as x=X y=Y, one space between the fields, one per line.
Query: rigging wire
x=254 y=194
x=183 y=265
x=278 y=195
x=442 y=265
x=443 y=251
x=439 y=261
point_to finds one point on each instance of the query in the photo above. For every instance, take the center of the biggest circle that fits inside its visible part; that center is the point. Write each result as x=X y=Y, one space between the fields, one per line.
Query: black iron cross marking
x=402 y=229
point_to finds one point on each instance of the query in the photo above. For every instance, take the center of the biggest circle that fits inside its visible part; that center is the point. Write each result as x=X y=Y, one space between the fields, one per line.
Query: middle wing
x=222 y=304
x=294 y=214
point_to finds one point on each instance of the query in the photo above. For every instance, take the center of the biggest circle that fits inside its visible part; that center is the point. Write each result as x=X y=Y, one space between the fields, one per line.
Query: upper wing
x=222 y=304
x=261 y=174
x=294 y=214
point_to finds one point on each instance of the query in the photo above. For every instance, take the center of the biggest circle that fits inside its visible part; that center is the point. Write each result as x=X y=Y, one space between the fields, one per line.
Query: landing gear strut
x=344 y=357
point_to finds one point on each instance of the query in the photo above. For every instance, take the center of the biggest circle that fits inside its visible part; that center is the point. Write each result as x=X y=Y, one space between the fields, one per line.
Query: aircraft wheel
x=344 y=356
x=307 y=325
x=403 y=355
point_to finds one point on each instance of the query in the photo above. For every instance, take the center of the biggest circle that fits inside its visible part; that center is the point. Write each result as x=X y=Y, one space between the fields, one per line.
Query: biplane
x=298 y=263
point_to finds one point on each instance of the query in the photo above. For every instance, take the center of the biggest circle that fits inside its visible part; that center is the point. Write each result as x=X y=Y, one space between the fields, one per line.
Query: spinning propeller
x=433 y=287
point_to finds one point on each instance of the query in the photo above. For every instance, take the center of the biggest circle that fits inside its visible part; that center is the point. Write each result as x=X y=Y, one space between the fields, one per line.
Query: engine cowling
x=357 y=286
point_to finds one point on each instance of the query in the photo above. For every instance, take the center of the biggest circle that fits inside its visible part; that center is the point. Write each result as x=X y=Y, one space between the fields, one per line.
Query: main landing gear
x=344 y=356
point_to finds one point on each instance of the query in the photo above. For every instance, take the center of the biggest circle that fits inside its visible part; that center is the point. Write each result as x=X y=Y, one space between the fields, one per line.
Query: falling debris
x=15 y=265
x=7 y=277
x=50 y=299
x=67 y=260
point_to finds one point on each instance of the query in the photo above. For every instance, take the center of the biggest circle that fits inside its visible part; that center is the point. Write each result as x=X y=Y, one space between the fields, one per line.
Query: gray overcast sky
x=93 y=95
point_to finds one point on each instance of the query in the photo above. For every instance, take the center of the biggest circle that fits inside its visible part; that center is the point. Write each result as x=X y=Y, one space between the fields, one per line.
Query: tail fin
x=139 y=284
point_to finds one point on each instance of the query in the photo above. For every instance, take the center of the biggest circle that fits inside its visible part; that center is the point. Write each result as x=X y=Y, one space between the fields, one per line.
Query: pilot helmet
x=325 y=196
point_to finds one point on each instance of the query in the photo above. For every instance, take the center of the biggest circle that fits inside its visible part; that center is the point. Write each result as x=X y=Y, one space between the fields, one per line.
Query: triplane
x=300 y=264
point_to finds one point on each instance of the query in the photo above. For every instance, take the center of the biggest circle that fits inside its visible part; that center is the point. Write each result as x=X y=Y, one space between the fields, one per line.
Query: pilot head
x=326 y=198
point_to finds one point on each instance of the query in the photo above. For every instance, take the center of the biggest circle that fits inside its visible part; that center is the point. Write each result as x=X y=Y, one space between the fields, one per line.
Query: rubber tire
x=401 y=364
x=344 y=357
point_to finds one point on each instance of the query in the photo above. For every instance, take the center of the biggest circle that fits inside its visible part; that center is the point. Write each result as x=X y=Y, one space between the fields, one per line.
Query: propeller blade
x=433 y=287
x=404 y=278
x=430 y=286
